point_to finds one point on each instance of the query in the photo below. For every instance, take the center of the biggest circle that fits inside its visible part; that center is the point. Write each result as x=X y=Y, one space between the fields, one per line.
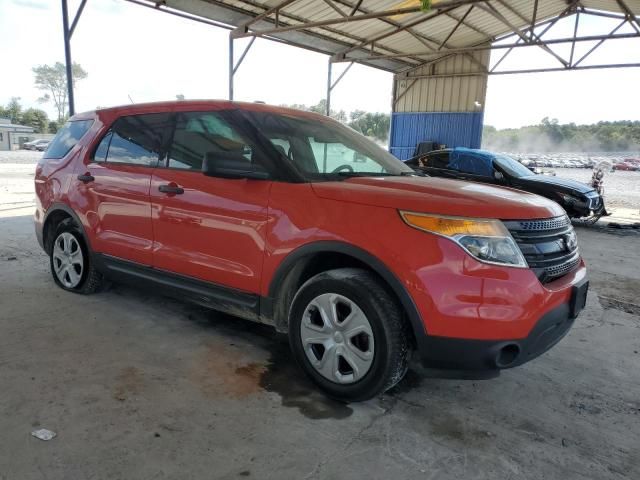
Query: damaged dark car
x=578 y=199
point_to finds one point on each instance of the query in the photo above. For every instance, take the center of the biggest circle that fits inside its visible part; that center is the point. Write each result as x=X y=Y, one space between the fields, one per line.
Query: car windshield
x=512 y=167
x=323 y=149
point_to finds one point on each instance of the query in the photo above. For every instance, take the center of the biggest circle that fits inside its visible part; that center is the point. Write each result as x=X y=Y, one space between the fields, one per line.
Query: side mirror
x=232 y=165
x=498 y=175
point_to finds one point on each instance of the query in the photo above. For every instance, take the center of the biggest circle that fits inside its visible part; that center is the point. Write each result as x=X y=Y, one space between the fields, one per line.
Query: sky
x=133 y=53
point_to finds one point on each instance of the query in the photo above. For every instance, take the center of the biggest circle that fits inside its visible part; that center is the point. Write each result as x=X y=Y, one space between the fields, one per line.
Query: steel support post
x=231 y=70
x=328 y=104
x=67 y=57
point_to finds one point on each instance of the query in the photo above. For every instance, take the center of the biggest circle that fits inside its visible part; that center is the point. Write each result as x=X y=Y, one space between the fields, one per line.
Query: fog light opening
x=507 y=355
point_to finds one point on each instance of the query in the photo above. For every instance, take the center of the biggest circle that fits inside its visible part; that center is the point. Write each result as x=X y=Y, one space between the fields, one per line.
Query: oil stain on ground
x=283 y=377
x=224 y=369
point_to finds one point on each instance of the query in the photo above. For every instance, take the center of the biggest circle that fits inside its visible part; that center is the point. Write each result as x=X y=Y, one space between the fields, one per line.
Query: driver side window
x=470 y=165
x=331 y=157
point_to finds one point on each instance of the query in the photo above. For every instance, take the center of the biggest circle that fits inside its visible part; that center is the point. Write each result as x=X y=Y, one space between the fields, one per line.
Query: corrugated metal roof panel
x=438 y=94
x=479 y=25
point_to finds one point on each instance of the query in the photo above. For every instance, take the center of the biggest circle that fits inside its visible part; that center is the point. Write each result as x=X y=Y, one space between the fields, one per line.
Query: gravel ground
x=621 y=189
x=16 y=179
x=21 y=157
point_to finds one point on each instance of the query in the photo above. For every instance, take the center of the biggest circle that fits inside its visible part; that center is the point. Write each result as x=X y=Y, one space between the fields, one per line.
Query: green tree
x=374 y=125
x=12 y=111
x=53 y=127
x=297 y=106
x=340 y=116
x=320 y=107
x=52 y=79
x=550 y=136
x=35 y=118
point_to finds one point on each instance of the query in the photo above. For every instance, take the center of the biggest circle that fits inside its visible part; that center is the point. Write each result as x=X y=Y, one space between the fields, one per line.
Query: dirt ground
x=137 y=386
x=621 y=192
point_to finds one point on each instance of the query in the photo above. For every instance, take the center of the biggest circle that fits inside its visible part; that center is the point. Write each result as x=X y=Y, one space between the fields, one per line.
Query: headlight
x=486 y=240
x=571 y=200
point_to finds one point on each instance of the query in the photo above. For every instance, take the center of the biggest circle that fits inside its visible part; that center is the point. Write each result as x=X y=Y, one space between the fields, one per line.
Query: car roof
x=195 y=105
x=442 y=150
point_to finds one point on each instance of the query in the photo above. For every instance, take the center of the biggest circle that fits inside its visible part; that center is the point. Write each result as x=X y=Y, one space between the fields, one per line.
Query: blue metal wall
x=453 y=129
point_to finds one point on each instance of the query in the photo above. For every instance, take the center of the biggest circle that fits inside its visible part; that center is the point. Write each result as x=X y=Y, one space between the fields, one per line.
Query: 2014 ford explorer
x=291 y=219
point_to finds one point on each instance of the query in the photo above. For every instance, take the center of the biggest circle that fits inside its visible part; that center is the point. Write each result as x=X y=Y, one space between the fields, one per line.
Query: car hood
x=554 y=183
x=440 y=196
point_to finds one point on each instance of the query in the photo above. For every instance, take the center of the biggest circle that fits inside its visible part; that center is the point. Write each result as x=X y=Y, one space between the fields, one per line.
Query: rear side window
x=135 y=140
x=198 y=134
x=67 y=138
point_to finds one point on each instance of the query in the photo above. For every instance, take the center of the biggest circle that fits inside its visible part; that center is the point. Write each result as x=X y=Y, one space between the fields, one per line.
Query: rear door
x=117 y=178
x=212 y=229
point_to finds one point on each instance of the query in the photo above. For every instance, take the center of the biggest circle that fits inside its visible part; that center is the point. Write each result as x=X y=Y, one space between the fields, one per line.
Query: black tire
x=390 y=332
x=91 y=280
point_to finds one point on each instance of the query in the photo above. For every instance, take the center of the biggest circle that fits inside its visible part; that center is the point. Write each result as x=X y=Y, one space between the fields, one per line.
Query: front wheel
x=348 y=334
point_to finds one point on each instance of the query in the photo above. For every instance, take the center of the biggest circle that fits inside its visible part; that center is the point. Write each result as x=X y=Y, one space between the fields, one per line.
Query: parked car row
x=40 y=145
x=572 y=160
x=555 y=163
x=628 y=164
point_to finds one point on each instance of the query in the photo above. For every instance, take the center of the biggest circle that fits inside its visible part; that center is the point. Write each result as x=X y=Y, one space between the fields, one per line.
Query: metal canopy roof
x=397 y=35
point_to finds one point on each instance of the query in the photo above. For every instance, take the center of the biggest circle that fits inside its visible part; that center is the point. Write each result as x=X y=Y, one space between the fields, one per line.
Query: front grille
x=545 y=224
x=549 y=246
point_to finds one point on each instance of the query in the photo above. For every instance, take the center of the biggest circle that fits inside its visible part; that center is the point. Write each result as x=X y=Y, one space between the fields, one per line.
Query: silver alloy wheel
x=337 y=338
x=68 y=261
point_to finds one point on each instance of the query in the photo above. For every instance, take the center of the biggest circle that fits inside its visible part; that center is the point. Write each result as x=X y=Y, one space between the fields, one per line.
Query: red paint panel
x=117 y=209
x=214 y=231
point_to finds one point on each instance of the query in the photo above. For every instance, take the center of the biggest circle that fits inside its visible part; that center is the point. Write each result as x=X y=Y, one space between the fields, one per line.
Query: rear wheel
x=70 y=263
x=348 y=334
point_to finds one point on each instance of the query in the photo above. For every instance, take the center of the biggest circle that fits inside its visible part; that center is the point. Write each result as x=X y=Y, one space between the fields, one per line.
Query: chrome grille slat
x=534 y=237
x=539 y=225
x=531 y=236
x=554 y=260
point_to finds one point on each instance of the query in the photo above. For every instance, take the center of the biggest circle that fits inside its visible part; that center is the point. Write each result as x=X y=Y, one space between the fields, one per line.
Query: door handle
x=171 y=189
x=86 y=177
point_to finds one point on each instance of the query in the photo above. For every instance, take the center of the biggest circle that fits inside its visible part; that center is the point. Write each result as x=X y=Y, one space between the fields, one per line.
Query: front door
x=209 y=228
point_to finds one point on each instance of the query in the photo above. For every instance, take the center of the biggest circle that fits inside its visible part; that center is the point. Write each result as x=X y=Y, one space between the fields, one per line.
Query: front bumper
x=592 y=204
x=471 y=354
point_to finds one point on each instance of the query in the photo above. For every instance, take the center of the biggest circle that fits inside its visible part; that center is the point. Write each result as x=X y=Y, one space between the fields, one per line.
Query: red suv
x=292 y=219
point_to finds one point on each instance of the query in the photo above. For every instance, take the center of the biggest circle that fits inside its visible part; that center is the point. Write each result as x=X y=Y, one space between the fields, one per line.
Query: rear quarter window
x=67 y=138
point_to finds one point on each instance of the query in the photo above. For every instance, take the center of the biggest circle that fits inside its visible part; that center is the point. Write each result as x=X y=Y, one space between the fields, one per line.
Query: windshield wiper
x=379 y=174
x=364 y=174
